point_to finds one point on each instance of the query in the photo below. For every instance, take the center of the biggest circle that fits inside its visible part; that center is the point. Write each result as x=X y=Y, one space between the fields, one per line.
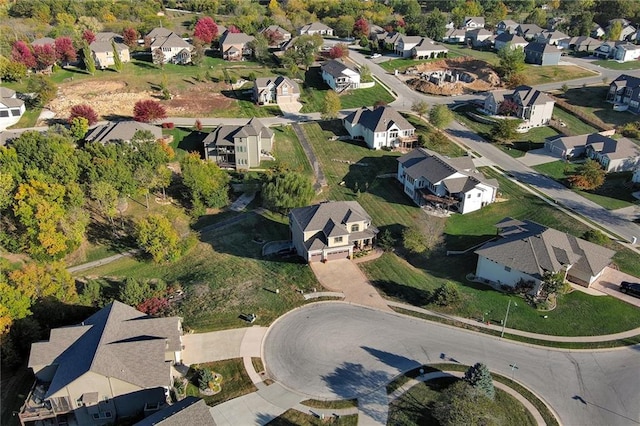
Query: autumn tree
x=130 y=37
x=147 y=111
x=12 y=71
x=339 y=51
x=414 y=240
x=117 y=61
x=79 y=127
x=507 y=108
x=65 y=51
x=156 y=235
x=88 y=36
x=361 y=28
x=440 y=116
x=435 y=25
x=84 y=111
x=207 y=183
x=44 y=89
x=206 y=29
x=45 y=55
x=158 y=57
x=590 y=175
x=537 y=16
x=14 y=305
x=274 y=38
x=330 y=106
x=233 y=29
x=7 y=186
x=21 y=53
x=304 y=50
x=286 y=191
x=87 y=57
x=420 y=107
x=38 y=281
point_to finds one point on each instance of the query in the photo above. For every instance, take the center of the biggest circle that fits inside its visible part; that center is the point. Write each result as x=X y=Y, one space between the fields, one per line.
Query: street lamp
x=514 y=367
x=506 y=316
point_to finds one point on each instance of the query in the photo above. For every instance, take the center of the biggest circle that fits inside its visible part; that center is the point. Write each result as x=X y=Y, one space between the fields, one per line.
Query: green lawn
x=614 y=65
x=574 y=125
x=365 y=97
x=294 y=417
x=225 y=275
x=484 y=55
x=440 y=145
x=549 y=74
x=28 y=119
x=414 y=406
x=235 y=381
x=288 y=151
x=591 y=100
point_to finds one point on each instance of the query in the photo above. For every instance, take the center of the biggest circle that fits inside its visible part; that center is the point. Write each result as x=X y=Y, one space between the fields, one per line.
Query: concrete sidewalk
x=220 y=345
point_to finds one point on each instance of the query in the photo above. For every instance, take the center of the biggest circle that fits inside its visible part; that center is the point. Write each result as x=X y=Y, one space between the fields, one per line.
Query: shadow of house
x=350 y=380
x=193 y=142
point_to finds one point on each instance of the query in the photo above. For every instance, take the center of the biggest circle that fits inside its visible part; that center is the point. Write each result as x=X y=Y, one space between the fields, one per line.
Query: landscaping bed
x=235 y=381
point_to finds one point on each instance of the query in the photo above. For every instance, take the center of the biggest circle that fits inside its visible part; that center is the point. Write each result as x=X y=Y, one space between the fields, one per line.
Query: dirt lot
x=484 y=77
x=113 y=98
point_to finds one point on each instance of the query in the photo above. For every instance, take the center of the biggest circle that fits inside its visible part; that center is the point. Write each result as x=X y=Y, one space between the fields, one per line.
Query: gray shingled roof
x=190 y=411
x=616 y=148
x=314 y=26
x=533 y=249
x=224 y=135
x=236 y=38
x=626 y=80
x=541 y=48
x=507 y=37
x=120 y=131
x=159 y=32
x=530 y=96
x=263 y=82
x=334 y=68
x=170 y=41
x=105 y=46
x=378 y=119
x=114 y=342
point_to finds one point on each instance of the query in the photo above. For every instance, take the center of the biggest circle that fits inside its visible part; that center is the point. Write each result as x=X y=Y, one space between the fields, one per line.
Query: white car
x=375 y=55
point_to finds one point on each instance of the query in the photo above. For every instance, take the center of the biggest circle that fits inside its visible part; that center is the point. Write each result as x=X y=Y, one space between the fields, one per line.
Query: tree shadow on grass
x=193 y=141
x=411 y=295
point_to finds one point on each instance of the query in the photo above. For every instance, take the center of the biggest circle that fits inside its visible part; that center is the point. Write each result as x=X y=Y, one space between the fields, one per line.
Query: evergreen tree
x=117 y=61
x=479 y=377
x=87 y=57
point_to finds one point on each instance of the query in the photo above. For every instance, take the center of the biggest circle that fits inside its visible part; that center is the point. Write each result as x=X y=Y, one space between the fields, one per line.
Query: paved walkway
x=100 y=262
x=344 y=276
x=242 y=202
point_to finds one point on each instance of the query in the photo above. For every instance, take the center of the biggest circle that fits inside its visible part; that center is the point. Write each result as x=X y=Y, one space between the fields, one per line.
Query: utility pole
x=506 y=316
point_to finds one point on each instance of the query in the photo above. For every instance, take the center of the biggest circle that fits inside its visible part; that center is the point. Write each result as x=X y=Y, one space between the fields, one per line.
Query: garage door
x=315 y=257
x=338 y=255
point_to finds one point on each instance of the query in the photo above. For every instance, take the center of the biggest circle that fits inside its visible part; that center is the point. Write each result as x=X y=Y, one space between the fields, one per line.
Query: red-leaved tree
x=21 y=53
x=88 y=36
x=206 y=30
x=130 y=37
x=361 y=28
x=45 y=55
x=339 y=50
x=233 y=29
x=148 y=110
x=153 y=306
x=507 y=108
x=274 y=38
x=65 y=52
x=84 y=111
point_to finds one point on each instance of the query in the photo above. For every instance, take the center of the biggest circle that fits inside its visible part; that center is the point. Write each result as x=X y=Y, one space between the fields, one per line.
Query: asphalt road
x=339 y=351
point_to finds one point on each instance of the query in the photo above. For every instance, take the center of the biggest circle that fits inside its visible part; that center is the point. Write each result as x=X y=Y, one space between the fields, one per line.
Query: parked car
x=632 y=289
x=375 y=55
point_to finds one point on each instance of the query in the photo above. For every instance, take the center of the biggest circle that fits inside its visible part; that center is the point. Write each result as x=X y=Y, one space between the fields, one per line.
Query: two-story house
x=624 y=93
x=339 y=77
x=512 y=40
x=429 y=178
x=380 y=127
x=454 y=35
x=621 y=51
x=238 y=147
x=102 y=49
x=115 y=364
x=331 y=230
x=236 y=46
x=528 y=31
x=279 y=33
x=535 y=108
x=472 y=22
x=428 y=49
x=11 y=108
x=316 y=28
x=506 y=26
x=275 y=90
x=542 y=54
x=551 y=37
x=404 y=44
x=172 y=46
x=477 y=37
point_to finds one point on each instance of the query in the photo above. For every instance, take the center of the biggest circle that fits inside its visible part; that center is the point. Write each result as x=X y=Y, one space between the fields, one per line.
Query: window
x=355 y=228
x=4 y=113
x=506 y=268
x=468 y=195
x=479 y=194
x=337 y=240
x=16 y=112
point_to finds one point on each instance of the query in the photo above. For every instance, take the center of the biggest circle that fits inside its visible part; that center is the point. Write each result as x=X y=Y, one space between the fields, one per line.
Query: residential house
x=377 y=34
x=275 y=90
x=636 y=176
x=579 y=44
x=477 y=37
x=339 y=77
x=550 y=37
x=597 y=31
x=121 y=131
x=316 y=28
x=507 y=38
x=279 y=32
x=614 y=155
x=455 y=35
x=11 y=108
x=391 y=40
x=535 y=108
x=102 y=49
x=472 y=22
x=554 y=22
x=542 y=54
x=236 y=46
x=189 y=411
x=624 y=93
x=330 y=231
x=627 y=29
x=380 y=127
x=506 y=26
x=528 y=31
x=115 y=364
x=525 y=251
x=173 y=47
x=404 y=45
x=430 y=178
x=428 y=49
x=620 y=51
x=239 y=147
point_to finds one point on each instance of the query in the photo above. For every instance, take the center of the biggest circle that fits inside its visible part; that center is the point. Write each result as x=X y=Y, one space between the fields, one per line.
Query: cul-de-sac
x=319 y=212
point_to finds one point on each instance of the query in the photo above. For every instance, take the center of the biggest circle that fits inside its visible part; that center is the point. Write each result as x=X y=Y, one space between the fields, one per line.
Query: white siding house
x=381 y=127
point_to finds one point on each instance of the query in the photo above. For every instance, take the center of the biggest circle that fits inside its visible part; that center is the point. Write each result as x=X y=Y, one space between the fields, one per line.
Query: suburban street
x=339 y=351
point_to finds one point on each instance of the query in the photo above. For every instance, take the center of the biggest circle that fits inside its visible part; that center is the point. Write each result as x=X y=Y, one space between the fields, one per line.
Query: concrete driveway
x=219 y=345
x=538 y=156
x=609 y=283
x=344 y=276
x=336 y=350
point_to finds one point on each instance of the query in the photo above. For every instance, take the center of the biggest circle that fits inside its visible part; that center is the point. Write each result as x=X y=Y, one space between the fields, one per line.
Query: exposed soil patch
x=482 y=76
x=198 y=100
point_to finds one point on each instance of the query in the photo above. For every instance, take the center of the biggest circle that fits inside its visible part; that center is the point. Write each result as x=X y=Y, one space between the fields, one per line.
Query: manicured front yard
x=549 y=74
x=288 y=151
x=365 y=97
x=235 y=381
x=615 y=65
x=574 y=125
